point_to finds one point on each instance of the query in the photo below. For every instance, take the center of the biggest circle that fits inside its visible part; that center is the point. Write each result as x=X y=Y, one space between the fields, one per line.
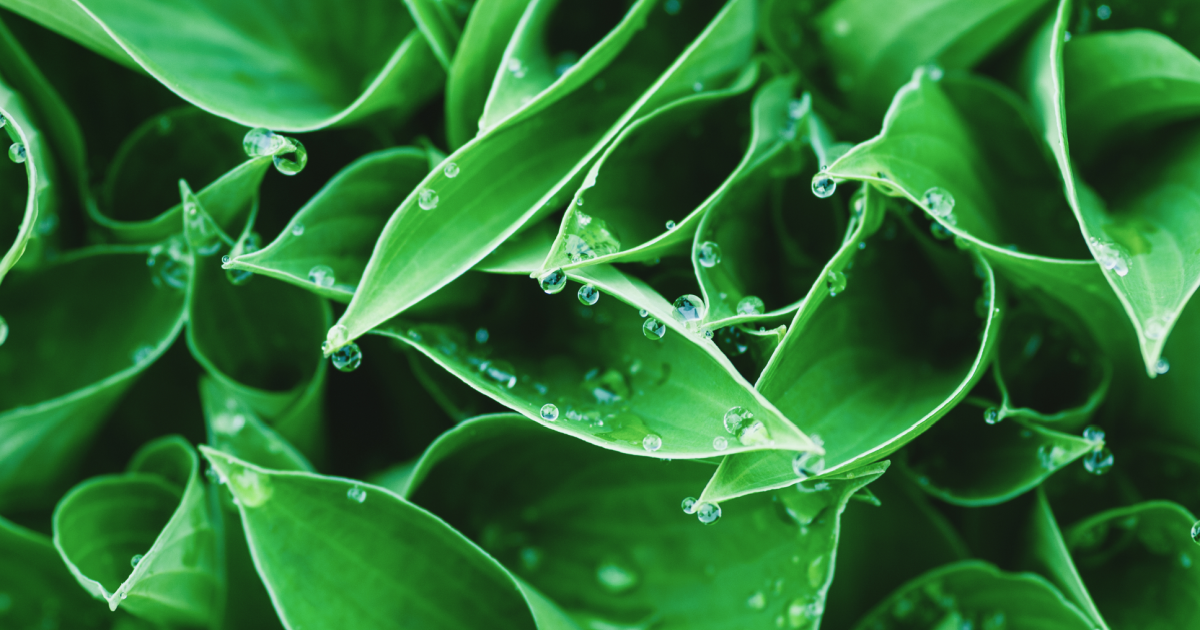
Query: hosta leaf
x=278 y=66
x=560 y=516
x=369 y=557
x=1047 y=553
x=144 y=539
x=36 y=590
x=338 y=227
x=28 y=188
x=1136 y=554
x=488 y=30
x=99 y=304
x=780 y=263
x=609 y=384
x=1135 y=217
x=514 y=170
x=867 y=385
x=552 y=53
x=976 y=594
x=966 y=461
x=258 y=341
x=235 y=429
x=439 y=26
x=140 y=197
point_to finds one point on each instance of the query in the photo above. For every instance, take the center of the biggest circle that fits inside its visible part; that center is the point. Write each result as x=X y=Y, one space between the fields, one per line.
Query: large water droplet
x=16 y=152
x=294 y=165
x=133 y=562
x=321 y=275
x=356 y=494
x=708 y=513
x=1109 y=256
x=688 y=309
x=991 y=415
x=751 y=305
x=616 y=578
x=653 y=329
x=427 y=199
x=347 y=358
x=1093 y=434
x=1162 y=366
x=451 y=170
x=260 y=142
x=736 y=419
x=939 y=202
x=823 y=185
x=553 y=281
x=689 y=505
x=652 y=442
x=588 y=295
x=1099 y=461
x=549 y=412
x=808 y=463
x=835 y=281
x=708 y=254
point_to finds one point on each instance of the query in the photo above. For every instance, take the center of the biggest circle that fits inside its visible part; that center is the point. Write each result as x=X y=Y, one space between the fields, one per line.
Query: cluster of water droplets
x=260 y=142
x=741 y=423
x=707 y=513
x=1109 y=255
x=1100 y=459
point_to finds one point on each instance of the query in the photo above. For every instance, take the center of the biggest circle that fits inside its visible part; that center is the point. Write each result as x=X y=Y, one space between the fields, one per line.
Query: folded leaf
x=559 y=517
x=1046 y=552
x=35 y=584
x=144 y=539
x=100 y=304
x=370 y=558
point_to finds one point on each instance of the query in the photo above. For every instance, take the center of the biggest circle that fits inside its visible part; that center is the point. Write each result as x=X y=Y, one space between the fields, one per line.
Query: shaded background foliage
x=930 y=365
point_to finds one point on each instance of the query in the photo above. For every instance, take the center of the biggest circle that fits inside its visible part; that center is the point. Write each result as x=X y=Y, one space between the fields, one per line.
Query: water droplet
x=133 y=562
x=1109 y=256
x=720 y=443
x=616 y=578
x=501 y=372
x=1051 y=456
x=588 y=295
x=249 y=487
x=553 y=281
x=3 y=330
x=823 y=186
x=293 y=166
x=808 y=463
x=1162 y=366
x=991 y=415
x=708 y=513
x=670 y=225
x=347 y=358
x=451 y=170
x=482 y=335
x=298 y=229
x=3 y=122
x=757 y=601
x=1156 y=329
x=321 y=275
x=143 y=353
x=939 y=202
x=653 y=329
x=427 y=199
x=709 y=254
x=1093 y=434
x=672 y=7
x=689 y=507
x=800 y=613
x=934 y=71
x=225 y=259
x=751 y=305
x=549 y=412
x=1098 y=461
x=260 y=142
x=1103 y=12
x=516 y=68
x=16 y=152
x=643 y=313
x=335 y=338
x=836 y=282
x=652 y=442
x=1196 y=532
x=228 y=423
x=688 y=309
x=736 y=418
x=356 y=494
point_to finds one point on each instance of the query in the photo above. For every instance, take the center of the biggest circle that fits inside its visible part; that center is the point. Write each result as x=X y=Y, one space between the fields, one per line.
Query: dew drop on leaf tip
x=991 y=415
x=356 y=494
x=1162 y=366
x=689 y=505
x=823 y=186
x=708 y=513
x=553 y=281
x=347 y=358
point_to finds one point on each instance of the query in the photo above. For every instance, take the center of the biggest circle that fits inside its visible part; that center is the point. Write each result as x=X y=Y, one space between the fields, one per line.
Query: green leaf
x=233 y=428
x=439 y=27
x=513 y=172
x=338 y=227
x=976 y=594
x=100 y=304
x=139 y=201
x=560 y=517
x=610 y=385
x=360 y=572
x=20 y=225
x=634 y=213
x=144 y=539
x=1131 y=555
x=279 y=66
x=966 y=461
x=37 y=589
x=488 y=30
x=1047 y=553
x=1134 y=217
